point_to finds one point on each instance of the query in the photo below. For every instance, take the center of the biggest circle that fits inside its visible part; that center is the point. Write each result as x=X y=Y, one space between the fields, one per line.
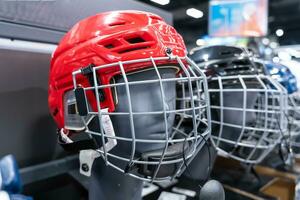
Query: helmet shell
x=107 y=38
x=283 y=75
x=225 y=60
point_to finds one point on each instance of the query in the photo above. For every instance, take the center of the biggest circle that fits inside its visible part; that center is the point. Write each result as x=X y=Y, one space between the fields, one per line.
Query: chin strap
x=75 y=146
x=86 y=148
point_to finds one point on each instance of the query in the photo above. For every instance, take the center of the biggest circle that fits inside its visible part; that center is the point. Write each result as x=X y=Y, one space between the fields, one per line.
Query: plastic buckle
x=86 y=159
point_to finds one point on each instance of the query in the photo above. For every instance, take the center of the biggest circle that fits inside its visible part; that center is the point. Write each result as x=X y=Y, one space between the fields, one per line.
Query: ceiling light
x=161 y=2
x=265 y=41
x=279 y=32
x=273 y=45
x=268 y=51
x=195 y=13
x=276 y=60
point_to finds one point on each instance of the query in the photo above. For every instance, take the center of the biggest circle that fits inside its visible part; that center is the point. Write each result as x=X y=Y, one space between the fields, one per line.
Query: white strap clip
x=86 y=159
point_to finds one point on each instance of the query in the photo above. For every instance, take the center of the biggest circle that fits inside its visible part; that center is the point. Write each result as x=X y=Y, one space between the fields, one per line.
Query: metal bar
x=221 y=109
x=141 y=82
x=148 y=140
x=29 y=33
x=244 y=112
x=49 y=169
x=247 y=110
x=165 y=119
x=244 y=144
x=133 y=142
x=27 y=46
x=150 y=112
x=247 y=127
x=208 y=130
x=265 y=119
x=100 y=116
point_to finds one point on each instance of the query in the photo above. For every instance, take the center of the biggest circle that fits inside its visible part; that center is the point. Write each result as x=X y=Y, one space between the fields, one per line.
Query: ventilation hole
x=240 y=62
x=119 y=23
x=109 y=46
x=155 y=17
x=225 y=53
x=135 y=40
x=239 y=68
x=132 y=49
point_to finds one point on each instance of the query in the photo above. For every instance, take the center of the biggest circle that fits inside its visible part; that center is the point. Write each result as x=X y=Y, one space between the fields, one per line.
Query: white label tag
x=109 y=131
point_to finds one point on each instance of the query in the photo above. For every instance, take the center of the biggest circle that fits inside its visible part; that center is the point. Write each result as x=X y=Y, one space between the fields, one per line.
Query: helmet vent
x=117 y=23
x=135 y=40
x=132 y=49
x=226 y=53
x=109 y=46
x=155 y=19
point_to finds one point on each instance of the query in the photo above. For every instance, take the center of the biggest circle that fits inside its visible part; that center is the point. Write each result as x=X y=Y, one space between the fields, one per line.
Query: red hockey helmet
x=108 y=38
x=84 y=86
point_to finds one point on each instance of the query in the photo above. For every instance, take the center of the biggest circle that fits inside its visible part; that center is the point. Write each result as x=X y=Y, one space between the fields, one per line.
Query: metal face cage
x=184 y=118
x=248 y=115
x=293 y=116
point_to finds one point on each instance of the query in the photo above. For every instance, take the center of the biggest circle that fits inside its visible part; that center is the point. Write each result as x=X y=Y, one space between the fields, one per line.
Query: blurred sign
x=238 y=18
x=237 y=41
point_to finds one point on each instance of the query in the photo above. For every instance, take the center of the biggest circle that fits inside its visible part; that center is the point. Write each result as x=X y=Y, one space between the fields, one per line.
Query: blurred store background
x=191 y=18
x=31 y=29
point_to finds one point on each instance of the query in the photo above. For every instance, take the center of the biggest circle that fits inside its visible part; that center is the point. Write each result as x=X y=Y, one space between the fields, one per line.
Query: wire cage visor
x=161 y=117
